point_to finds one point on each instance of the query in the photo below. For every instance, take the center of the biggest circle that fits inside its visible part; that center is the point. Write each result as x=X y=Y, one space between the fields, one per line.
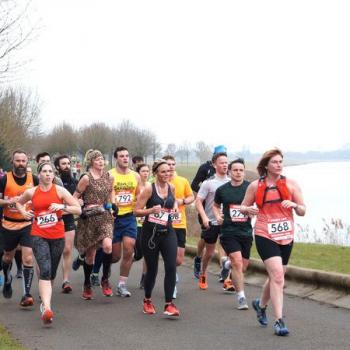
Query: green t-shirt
x=230 y=197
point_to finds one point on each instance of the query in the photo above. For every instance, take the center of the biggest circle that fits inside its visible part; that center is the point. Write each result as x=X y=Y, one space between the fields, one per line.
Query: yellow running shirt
x=182 y=190
x=125 y=190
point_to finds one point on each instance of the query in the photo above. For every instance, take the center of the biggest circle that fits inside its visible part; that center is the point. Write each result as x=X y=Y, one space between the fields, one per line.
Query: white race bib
x=160 y=218
x=236 y=215
x=175 y=217
x=47 y=220
x=124 y=198
x=280 y=230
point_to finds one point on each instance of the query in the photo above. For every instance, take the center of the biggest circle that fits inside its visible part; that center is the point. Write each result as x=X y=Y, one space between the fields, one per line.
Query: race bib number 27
x=236 y=215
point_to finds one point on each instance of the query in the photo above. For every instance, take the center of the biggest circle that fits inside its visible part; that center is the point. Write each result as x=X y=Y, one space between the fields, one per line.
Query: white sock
x=227 y=264
x=240 y=294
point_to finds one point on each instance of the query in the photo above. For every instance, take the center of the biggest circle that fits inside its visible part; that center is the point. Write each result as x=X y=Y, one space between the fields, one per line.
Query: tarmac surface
x=208 y=319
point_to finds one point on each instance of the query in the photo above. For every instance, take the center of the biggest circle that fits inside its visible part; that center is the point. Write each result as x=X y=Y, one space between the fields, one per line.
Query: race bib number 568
x=280 y=230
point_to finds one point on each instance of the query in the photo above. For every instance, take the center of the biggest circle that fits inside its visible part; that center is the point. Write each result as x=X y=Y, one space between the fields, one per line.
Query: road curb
x=318 y=278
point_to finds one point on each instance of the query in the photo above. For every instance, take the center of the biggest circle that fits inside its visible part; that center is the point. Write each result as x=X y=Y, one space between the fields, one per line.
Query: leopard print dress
x=92 y=230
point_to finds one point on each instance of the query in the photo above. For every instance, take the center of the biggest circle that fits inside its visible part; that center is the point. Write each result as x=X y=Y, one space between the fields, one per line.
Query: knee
x=45 y=273
x=27 y=260
x=107 y=249
x=127 y=254
x=277 y=277
x=7 y=258
x=237 y=264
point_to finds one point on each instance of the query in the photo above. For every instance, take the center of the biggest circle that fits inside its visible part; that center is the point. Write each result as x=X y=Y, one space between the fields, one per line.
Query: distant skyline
x=255 y=74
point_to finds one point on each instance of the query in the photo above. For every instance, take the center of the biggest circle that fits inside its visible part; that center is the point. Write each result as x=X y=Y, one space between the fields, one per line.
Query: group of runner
x=124 y=215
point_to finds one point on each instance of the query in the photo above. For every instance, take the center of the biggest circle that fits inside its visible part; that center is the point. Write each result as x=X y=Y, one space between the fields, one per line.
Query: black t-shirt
x=69 y=183
x=235 y=223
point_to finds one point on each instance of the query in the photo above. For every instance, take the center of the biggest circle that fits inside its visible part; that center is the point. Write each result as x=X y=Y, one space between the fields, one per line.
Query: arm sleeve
x=188 y=190
x=203 y=191
x=199 y=178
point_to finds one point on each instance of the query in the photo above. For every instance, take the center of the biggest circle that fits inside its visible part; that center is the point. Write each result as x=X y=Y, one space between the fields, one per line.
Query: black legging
x=166 y=244
x=47 y=253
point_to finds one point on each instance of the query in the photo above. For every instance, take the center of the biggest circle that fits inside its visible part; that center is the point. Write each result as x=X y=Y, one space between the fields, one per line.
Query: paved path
x=209 y=320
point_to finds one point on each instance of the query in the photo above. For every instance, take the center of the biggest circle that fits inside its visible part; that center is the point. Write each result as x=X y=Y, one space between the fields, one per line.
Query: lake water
x=326 y=191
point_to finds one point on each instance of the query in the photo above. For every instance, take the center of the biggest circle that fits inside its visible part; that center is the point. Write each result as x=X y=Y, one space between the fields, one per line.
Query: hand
x=28 y=215
x=13 y=200
x=156 y=209
x=206 y=223
x=56 y=206
x=81 y=202
x=289 y=204
x=251 y=211
x=220 y=219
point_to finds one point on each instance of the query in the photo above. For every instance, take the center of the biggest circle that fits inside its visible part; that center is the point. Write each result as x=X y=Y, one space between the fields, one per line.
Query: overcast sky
x=254 y=73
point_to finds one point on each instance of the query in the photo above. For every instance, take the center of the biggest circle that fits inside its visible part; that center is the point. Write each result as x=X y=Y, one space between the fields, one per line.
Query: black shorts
x=232 y=244
x=12 y=238
x=181 y=237
x=211 y=234
x=268 y=248
x=138 y=248
x=69 y=223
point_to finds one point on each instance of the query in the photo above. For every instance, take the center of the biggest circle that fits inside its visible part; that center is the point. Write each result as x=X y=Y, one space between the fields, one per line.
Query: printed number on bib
x=124 y=198
x=280 y=230
x=175 y=217
x=160 y=218
x=47 y=220
x=236 y=215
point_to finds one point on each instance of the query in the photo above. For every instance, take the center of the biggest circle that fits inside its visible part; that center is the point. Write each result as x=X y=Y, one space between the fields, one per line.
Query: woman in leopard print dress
x=95 y=189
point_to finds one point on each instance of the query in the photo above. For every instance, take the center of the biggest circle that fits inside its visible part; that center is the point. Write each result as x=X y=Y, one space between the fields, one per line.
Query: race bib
x=47 y=220
x=280 y=230
x=175 y=217
x=236 y=215
x=124 y=198
x=160 y=218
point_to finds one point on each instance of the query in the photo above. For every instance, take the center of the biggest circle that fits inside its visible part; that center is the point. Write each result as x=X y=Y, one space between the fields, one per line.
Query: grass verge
x=324 y=257
x=8 y=343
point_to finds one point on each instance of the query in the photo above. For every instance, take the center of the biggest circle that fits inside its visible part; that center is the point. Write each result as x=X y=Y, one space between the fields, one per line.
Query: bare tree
x=16 y=29
x=19 y=119
x=170 y=149
x=184 y=152
x=202 y=151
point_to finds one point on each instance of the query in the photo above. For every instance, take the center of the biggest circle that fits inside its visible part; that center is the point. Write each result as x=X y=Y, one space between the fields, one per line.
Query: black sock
x=7 y=268
x=18 y=259
x=87 y=273
x=106 y=269
x=28 y=273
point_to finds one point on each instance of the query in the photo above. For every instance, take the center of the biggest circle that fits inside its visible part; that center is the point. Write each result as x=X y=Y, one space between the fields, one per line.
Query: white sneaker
x=242 y=304
x=122 y=291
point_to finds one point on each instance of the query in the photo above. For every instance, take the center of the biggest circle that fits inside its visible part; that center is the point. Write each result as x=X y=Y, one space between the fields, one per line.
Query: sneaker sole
x=26 y=304
x=123 y=295
x=47 y=317
x=171 y=316
x=148 y=313
x=245 y=307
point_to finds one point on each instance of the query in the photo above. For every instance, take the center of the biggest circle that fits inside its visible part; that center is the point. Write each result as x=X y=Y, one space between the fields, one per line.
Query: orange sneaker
x=27 y=300
x=171 y=310
x=228 y=287
x=46 y=315
x=106 y=288
x=148 y=307
x=87 y=293
x=202 y=284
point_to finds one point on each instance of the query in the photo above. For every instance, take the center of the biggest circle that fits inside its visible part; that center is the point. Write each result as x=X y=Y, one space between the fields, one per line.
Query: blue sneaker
x=260 y=312
x=77 y=262
x=280 y=328
x=197 y=260
x=224 y=273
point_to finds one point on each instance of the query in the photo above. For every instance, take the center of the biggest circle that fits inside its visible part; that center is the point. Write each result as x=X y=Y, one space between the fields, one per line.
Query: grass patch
x=324 y=257
x=8 y=343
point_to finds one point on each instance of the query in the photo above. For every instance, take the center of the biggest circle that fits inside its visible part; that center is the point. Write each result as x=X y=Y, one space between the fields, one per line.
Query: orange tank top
x=13 y=219
x=273 y=221
x=47 y=224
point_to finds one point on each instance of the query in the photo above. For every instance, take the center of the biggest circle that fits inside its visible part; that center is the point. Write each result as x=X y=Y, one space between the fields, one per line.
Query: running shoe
x=228 y=287
x=46 y=314
x=260 y=312
x=197 y=260
x=171 y=310
x=66 y=287
x=27 y=300
x=142 y=281
x=224 y=273
x=202 y=284
x=77 y=262
x=175 y=293
x=106 y=289
x=19 y=273
x=7 y=289
x=280 y=328
x=242 y=304
x=122 y=291
x=87 y=293
x=95 y=281
x=148 y=307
